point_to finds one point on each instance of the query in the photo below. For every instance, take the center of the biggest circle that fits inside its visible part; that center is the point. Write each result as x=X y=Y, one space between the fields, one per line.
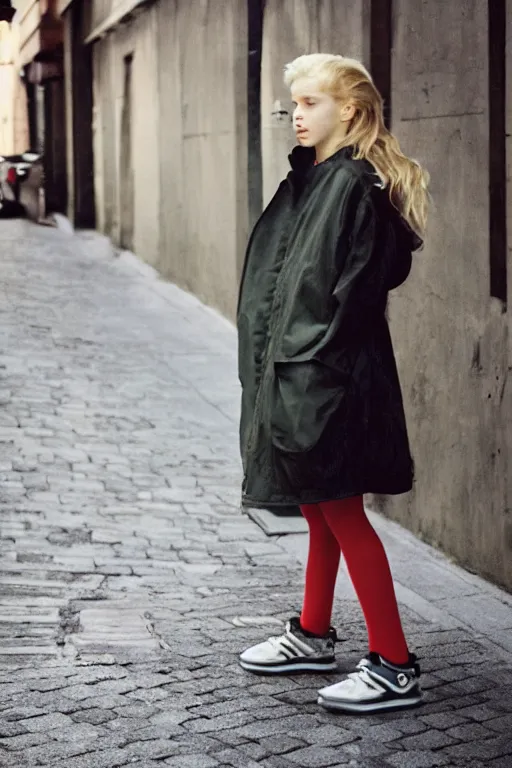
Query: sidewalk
x=129 y=580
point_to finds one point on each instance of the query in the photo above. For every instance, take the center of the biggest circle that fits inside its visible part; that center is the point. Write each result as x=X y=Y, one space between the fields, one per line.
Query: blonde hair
x=348 y=80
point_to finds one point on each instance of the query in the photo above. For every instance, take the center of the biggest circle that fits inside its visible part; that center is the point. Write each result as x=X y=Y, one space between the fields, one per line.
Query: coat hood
x=406 y=236
x=406 y=240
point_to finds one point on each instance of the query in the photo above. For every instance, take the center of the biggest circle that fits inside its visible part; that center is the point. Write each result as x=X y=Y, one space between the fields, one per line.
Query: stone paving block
x=381 y=733
x=280 y=745
x=58 y=703
x=404 y=724
x=500 y=698
x=80 y=732
x=233 y=738
x=105 y=702
x=444 y=720
x=501 y=724
x=159 y=749
x=469 y=732
x=478 y=712
x=171 y=718
x=23 y=742
x=486 y=749
x=111 y=687
x=416 y=759
x=253 y=751
x=11 y=729
x=192 y=761
x=214 y=724
x=262 y=729
x=140 y=710
x=108 y=758
x=149 y=732
x=54 y=751
x=232 y=757
x=317 y=757
x=46 y=722
x=277 y=761
x=431 y=739
x=453 y=704
x=150 y=695
x=367 y=748
x=329 y=735
x=78 y=692
x=375 y=762
x=93 y=716
x=146 y=764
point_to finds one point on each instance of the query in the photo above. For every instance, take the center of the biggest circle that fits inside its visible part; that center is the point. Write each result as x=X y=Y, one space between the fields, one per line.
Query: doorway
x=126 y=171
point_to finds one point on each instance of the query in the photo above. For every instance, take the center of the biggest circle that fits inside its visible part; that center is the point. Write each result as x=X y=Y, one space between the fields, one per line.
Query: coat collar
x=303 y=158
x=302 y=161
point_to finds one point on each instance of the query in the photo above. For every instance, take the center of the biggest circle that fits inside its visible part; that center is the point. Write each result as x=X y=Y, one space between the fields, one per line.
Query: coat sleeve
x=361 y=288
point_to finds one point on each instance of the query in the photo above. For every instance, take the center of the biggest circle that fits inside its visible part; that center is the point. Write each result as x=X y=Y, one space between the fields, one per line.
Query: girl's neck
x=329 y=147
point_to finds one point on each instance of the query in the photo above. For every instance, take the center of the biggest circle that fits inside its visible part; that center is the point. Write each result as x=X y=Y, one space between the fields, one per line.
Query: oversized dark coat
x=322 y=412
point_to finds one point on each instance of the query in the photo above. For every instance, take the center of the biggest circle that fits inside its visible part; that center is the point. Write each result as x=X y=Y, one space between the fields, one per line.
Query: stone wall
x=450 y=334
x=203 y=146
x=111 y=60
x=188 y=141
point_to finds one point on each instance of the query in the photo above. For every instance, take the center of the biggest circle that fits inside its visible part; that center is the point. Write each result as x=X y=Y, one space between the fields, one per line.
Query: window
x=497 y=150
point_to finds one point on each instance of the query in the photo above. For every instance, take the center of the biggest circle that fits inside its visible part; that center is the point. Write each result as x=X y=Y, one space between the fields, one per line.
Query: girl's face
x=318 y=120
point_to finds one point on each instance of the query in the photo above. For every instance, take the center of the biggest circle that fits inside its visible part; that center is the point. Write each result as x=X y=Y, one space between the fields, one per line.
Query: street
x=129 y=578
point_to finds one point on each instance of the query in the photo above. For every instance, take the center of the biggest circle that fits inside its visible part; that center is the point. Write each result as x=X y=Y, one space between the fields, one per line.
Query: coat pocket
x=305 y=397
x=316 y=442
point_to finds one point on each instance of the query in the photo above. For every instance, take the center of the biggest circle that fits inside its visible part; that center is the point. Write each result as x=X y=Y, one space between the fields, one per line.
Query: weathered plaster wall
x=451 y=337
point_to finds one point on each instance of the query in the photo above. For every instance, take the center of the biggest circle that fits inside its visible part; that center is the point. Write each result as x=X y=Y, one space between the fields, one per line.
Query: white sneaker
x=294 y=651
x=376 y=686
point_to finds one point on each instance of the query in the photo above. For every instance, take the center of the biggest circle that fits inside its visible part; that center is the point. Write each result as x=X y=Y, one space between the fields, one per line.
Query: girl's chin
x=305 y=141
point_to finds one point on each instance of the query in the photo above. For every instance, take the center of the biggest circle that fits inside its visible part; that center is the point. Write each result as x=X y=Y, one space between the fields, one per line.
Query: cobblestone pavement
x=129 y=580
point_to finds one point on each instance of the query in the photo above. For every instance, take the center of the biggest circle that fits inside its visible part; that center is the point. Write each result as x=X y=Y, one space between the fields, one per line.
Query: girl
x=322 y=415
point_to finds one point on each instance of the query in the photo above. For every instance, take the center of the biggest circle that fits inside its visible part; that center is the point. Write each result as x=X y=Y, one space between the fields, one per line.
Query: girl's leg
x=307 y=644
x=321 y=571
x=369 y=571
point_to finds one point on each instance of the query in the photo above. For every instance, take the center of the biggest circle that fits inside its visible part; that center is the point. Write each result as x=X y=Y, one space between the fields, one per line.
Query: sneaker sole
x=289 y=669
x=378 y=706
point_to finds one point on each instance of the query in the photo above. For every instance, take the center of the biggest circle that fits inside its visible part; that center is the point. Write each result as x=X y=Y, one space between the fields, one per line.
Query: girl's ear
x=347 y=112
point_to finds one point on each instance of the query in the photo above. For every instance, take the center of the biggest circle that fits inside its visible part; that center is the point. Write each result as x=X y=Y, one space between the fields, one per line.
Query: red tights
x=337 y=527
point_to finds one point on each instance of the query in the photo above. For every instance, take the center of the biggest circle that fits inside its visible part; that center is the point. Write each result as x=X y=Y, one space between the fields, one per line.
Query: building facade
x=170 y=143
x=177 y=132
x=14 y=136
x=41 y=70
